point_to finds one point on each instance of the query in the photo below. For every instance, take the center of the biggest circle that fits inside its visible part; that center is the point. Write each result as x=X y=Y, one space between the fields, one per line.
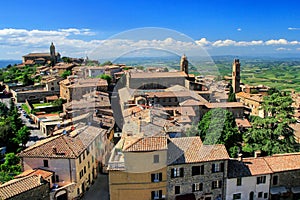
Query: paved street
x=99 y=190
x=36 y=134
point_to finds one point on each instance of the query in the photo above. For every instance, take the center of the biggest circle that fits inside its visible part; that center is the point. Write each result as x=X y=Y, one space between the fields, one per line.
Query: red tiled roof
x=157 y=74
x=283 y=162
x=253 y=97
x=257 y=166
x=243 y=123
x=65 y=147
x=44 y=173
x=17 y=186
x=193 y=151
x=148 y=144
x=225 y=105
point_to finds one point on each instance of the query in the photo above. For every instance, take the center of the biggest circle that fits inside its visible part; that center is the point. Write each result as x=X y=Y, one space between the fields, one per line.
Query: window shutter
x=181 y=172
x=152 y=194
x=172 y=173
x=193 y=187
x=152 y=177
x=202 y=169
x=222 y=167
x=160 y=176
x=160 y=193
x=220 y=184
x=201 y=186
x=213 y=168
x=257 y=180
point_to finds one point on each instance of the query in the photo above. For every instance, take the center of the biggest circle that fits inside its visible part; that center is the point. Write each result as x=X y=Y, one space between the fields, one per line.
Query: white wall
x=248 y=185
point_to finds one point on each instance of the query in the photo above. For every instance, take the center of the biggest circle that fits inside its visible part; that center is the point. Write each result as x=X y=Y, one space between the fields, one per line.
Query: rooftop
x=191 y=150
x=147 y=144
x=20 y=185
x=156 y=74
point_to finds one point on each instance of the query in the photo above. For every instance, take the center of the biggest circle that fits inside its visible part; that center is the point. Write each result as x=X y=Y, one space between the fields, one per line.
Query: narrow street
x=99 y=190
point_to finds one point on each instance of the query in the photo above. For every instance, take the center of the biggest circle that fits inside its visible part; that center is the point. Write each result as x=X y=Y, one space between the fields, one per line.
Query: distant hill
x=4 y=63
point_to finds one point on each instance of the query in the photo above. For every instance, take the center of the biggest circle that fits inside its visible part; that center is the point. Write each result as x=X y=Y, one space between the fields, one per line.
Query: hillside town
x=153 y=133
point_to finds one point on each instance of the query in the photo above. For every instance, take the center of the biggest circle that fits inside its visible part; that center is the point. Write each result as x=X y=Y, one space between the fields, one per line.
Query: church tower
x=52 y=54
x=184 y=64
x=236 y=76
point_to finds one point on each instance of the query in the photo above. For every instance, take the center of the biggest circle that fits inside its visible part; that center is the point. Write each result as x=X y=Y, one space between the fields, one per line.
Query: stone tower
x=52 y=54
x=184 y=64
x=236 y=75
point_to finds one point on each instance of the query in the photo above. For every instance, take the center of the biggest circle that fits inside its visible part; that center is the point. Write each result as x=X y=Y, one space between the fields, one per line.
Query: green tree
x=3 y=110
x=231 y=95
x=105 y=77
x=26 y=80
x=66 y=73
x=218 y=126
x=22 y=136
x=10 y=167
x=272 y=134
x=66 y=59
x=106 y=63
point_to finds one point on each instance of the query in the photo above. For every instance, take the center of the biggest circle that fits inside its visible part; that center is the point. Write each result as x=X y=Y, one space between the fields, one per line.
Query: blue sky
x=221 y=27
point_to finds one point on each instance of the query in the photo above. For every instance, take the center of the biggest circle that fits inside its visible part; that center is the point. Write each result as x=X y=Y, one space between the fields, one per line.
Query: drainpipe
x=70 y=170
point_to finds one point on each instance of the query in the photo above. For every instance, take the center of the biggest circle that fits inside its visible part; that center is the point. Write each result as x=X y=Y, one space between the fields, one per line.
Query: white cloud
x=23 y=41
x=293 y=29
x=283 y=49
x=239 y=29
x=277 y=42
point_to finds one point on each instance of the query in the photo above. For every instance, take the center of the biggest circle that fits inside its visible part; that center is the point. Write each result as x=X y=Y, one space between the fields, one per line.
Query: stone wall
x=39 y=193
x=188 y=180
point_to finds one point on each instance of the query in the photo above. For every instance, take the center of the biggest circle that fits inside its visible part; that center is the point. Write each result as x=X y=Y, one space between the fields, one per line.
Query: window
x=197 y=187
x=79 y=159
x=216 y=184
x=275 y=180
x=156 y=177
x=81 y=174
x=261 y=179
x=156 y=159
x=93 y=159
x=83 y=155
x=46 y=163
x=89 y=164
x=56 y=178
x=177 y=172
x=88 y=150
x=260 y=194
x=197 y=170
x=84 y=169
x=156 y=194
x=239 y=181
x=237 y=196
x=177 y=189
x=217 y=167
x=266 y=195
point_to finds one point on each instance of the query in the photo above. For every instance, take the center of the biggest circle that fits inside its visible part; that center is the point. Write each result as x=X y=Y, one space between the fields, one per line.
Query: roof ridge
x=64 y=138
x=13 y=181
x=40 y=143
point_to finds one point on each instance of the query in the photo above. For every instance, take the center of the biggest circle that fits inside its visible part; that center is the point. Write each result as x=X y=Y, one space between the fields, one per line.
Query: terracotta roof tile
x=147 y=144
x=224 y=105
x=17 y=186
x=283 y=162
x=191 y=150
x=64 y=146
x=44 y=173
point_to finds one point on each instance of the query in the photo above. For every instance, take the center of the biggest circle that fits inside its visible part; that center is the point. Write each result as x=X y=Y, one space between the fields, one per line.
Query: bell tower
x=184 y=64
x=236 y=76
x=52 y=54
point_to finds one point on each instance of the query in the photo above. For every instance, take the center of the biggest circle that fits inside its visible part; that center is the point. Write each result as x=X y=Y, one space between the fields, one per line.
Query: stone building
x=196 y=171
x=236 y=75
x=73 y=88
x=72 y=158
x=42 y=58
x=252 y=103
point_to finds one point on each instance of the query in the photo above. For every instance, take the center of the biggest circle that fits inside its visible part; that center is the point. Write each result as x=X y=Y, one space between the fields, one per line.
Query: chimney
x=257 y=153
x=54 y=150
x=240 y=158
